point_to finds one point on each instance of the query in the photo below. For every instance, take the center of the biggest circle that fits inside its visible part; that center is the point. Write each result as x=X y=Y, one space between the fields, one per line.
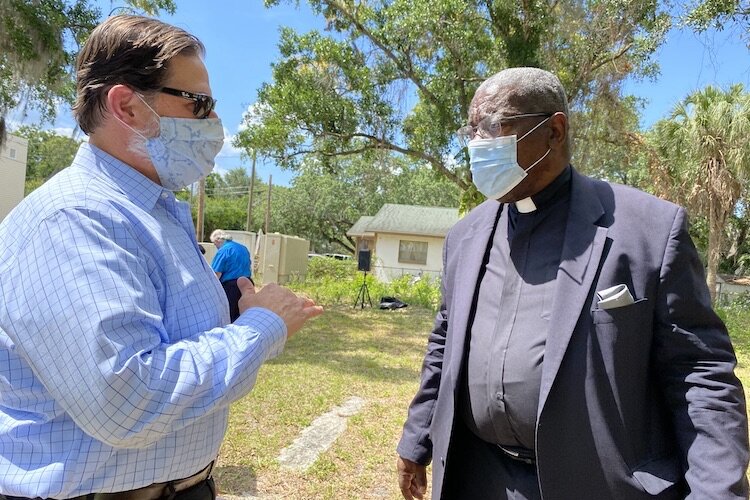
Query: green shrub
x=741 y=301
x=319 y=268
x=331 y=281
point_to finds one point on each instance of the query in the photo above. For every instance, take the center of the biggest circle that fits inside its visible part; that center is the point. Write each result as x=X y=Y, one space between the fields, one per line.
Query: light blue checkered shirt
x=115 y=369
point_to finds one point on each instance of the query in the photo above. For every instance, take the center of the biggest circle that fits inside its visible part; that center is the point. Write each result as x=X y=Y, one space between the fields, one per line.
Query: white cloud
x=253 y=115
x=228 y=150
x=221 y=170
x=74 y=133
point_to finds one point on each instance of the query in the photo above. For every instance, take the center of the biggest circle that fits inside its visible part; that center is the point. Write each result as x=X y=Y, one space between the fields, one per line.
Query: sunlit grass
x=372 y=354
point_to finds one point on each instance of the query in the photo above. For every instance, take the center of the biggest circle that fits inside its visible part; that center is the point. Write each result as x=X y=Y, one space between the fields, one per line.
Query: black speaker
x=363 y=260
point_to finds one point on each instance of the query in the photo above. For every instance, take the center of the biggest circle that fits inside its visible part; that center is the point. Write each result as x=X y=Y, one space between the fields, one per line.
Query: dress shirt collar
x=120 y=176
x=546 y=196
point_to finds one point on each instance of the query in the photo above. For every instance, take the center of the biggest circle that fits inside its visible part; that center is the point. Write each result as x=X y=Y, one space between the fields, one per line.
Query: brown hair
x=130 y=50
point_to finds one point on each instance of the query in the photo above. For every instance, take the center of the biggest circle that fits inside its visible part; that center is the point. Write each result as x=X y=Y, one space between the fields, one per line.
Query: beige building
x=12 y=173
x=276 y=258
x=405 y=239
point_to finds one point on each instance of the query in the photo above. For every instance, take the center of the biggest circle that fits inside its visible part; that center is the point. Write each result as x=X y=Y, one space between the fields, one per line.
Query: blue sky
x=241 y=39
x=689 y=62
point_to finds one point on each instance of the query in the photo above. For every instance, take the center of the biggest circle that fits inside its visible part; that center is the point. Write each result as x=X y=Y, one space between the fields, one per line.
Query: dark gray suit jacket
x=637 y=402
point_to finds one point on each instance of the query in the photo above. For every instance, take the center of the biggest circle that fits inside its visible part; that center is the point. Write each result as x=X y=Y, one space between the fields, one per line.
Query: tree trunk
x=716 y=219
x=714 y=252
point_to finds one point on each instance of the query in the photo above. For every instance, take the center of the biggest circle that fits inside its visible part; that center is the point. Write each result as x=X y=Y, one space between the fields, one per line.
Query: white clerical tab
x=526 y=205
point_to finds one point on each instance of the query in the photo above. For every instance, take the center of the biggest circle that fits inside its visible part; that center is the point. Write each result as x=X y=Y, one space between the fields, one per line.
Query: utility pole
x=201 y=208
x=268 y=203
x=249 y=223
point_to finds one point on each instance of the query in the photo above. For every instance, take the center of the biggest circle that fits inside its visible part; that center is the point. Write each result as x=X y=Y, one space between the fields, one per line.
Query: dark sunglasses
x=202 y=104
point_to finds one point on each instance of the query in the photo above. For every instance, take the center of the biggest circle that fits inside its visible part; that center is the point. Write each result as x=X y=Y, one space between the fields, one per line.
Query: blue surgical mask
x=494 y=164
x=185 y=149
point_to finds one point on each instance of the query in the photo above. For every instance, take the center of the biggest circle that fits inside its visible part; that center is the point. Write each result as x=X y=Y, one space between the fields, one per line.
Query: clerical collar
x=546 y=195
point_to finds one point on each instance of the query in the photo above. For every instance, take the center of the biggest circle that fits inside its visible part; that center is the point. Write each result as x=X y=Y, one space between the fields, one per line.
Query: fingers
x=245 y=285
x=308 y=301
x=404 y=483
x=412 y=479
x=291 y=308
x=311 y=310
x=418 y=490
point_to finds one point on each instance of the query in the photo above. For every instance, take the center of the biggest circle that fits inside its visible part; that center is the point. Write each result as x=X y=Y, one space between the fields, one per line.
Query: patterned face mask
x=185 y=149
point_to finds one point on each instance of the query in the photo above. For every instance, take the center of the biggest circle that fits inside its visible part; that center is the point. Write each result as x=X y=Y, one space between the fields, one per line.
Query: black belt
x=154 y=491
x=519 y=454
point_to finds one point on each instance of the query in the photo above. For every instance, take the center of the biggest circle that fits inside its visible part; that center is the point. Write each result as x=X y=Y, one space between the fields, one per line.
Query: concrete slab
x=319 y=436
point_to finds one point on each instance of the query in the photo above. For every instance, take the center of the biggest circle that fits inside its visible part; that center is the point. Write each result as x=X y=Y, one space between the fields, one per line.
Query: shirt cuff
x=268 y=324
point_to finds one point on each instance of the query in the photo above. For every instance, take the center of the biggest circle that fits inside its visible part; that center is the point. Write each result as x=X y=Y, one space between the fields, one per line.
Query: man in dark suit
x=575 y=354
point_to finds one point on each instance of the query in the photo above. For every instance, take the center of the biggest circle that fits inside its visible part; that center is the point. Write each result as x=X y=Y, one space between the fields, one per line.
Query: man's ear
x=558 y=131
x=120 y=103
x=127 y=107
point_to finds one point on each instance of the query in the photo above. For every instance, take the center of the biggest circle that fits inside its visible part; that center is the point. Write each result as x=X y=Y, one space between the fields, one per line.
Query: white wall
x=726 y=292
x=12 y=173
x=385 y=262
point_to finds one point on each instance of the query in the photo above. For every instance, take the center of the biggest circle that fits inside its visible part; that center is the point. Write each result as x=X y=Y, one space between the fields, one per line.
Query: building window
x=412 y=252
x=12 y=153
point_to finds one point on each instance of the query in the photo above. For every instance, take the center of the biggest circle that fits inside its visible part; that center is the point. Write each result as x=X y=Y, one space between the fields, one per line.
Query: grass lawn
x=738 y=323
x=369 y=353
x=373 y=354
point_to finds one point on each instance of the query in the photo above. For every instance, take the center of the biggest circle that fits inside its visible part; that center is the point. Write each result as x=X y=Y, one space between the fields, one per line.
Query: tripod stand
x=363 y=293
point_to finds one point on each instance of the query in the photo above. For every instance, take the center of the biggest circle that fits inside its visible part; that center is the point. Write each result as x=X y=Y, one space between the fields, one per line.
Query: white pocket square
x=616 y=296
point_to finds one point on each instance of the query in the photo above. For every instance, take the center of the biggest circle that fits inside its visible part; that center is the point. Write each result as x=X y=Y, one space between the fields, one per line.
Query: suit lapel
x=473 y=249
x=582 y=251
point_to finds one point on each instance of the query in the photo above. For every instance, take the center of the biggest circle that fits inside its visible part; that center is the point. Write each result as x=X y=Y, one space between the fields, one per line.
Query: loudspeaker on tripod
x=363 y=260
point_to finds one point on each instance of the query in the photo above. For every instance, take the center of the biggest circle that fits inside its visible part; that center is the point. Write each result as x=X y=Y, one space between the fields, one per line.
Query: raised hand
x=291 y=308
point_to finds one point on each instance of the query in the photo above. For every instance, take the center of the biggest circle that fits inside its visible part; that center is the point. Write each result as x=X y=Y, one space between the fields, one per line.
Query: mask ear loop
x=548 y=149
x=527 y=133
x=131 y=128
x=537 y=162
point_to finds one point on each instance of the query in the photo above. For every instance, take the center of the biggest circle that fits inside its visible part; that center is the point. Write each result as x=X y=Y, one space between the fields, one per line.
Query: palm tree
x=705 y=147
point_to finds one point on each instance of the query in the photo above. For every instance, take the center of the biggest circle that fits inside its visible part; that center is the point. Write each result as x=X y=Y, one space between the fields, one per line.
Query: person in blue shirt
x=118 y=361
x=231 y=262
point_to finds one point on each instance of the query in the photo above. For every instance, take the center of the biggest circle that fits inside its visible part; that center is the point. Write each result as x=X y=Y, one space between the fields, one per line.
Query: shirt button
x=499 y=397
x=165 y=195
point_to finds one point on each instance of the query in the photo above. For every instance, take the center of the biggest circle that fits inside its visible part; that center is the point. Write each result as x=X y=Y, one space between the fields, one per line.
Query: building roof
x=360 y=227
x=408 y=219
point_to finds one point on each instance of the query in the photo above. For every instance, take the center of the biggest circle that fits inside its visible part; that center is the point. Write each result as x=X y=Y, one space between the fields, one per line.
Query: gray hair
x=533 y=91
x=220 y=234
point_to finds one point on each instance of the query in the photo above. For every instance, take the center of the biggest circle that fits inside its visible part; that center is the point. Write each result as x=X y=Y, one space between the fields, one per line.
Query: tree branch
x=436 y=163
x=493 y=19
x=408 y=71
x=349 y=245
x=615 y=57
x=324 y=153
x=380 y=143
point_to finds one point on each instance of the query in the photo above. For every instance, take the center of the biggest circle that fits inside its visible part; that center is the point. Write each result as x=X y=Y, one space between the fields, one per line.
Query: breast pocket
x=620 y=346
x=633 y=313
